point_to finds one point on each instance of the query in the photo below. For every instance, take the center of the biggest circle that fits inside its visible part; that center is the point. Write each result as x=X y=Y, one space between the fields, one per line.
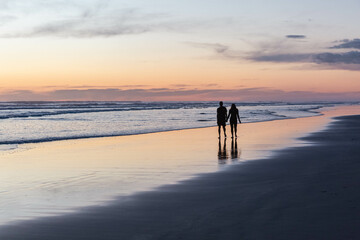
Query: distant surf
x=33 y=122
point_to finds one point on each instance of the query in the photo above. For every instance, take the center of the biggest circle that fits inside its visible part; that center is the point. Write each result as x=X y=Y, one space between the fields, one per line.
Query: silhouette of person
x=234 y=116
x=221 y=118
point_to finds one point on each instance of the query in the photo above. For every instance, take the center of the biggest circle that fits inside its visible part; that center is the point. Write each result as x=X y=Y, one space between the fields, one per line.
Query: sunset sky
x=153 y=50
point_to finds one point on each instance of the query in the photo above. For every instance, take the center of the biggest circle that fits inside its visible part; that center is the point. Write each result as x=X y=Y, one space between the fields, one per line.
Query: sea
x=33 y=122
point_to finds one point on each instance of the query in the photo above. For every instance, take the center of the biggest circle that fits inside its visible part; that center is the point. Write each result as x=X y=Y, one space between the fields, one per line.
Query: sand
x=308 y=191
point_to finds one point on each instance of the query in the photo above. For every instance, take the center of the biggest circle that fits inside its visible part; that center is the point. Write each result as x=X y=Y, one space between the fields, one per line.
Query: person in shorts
x=221 y=118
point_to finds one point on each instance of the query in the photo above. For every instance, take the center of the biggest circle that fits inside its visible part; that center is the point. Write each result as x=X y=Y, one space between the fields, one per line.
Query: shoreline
x=133 y=134
x=316 y=112
x=97 y=214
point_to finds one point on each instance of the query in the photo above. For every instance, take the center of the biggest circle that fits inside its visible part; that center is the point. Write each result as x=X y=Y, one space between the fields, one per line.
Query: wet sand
x=306 y=191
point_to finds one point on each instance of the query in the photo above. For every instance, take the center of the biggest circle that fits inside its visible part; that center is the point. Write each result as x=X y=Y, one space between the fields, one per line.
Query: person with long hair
x=234 y=117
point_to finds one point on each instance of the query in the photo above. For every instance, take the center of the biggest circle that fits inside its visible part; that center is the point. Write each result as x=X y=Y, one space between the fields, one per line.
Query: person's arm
x=238 y=116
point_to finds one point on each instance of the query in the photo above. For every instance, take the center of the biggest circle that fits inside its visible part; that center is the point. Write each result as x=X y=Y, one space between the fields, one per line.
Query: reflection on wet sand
x=223 y=154
x=235 y=153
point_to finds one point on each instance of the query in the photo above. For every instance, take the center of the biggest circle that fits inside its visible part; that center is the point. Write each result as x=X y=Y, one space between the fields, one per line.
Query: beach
x=284 y=179
x=111 y=113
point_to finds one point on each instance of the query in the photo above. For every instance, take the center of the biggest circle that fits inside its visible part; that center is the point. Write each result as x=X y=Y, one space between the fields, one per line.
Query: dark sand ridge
x=308 y=192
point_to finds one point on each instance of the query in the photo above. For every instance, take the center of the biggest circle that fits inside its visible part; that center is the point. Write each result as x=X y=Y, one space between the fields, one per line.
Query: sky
x=188 y=50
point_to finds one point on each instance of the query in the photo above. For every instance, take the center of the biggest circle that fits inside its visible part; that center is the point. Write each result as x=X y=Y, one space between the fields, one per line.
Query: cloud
x=88 y=19
x=216 y=47
x=327 y=60
x=169 y=94
x=284 y=58
x=94 y=87
x=224 y=51
x=355 y=43
x=78 y=19
x=90 y=24
x=269 y=53
x=352 y=57
x=189 y=86
x=220 y=50
x=296 y=36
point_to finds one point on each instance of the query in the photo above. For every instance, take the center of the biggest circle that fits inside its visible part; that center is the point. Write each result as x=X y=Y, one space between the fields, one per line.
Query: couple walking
x=222 y=118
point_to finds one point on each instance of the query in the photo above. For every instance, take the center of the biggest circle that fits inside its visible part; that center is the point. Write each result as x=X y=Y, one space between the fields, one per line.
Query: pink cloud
x=170 y=94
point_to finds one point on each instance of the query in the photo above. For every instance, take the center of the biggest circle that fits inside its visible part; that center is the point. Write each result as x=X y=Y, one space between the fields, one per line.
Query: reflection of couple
x=223 y=154
x=222 y=118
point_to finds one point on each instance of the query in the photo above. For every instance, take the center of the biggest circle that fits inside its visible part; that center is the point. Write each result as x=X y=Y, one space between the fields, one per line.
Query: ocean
x=32 y=122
